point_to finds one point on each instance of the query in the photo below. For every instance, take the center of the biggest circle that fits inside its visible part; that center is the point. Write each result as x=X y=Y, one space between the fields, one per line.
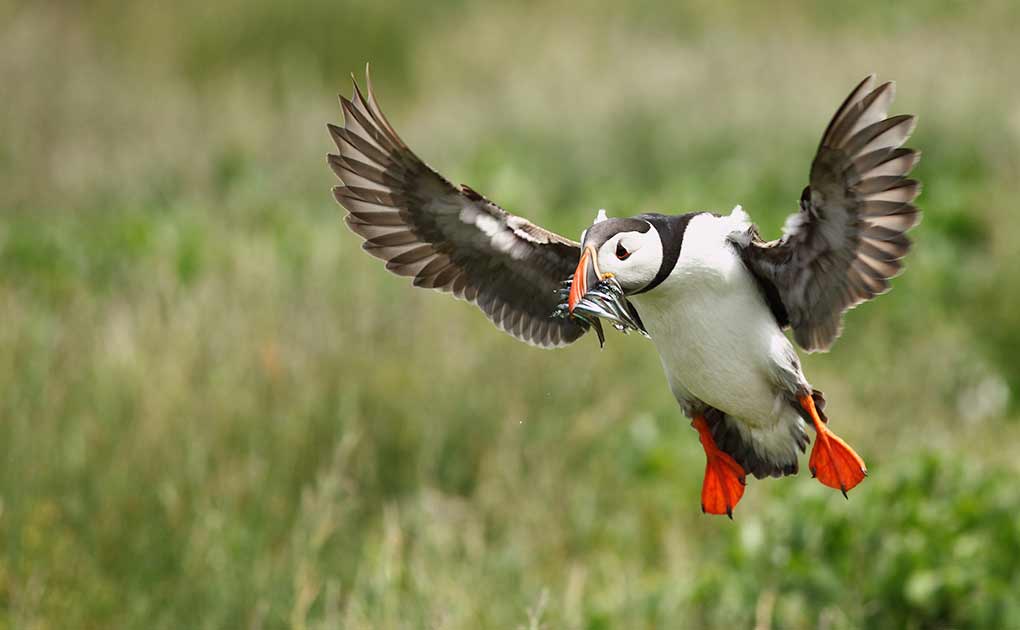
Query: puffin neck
x=671 y=232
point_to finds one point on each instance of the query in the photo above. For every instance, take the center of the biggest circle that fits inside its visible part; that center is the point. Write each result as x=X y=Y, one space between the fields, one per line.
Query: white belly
x=718 y=340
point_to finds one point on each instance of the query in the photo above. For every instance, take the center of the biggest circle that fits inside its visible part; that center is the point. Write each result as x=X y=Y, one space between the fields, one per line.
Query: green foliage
x=935 y=546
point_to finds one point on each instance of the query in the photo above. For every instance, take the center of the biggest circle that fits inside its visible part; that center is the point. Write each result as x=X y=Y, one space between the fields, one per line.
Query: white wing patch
x=519 y=225
x=487 y=224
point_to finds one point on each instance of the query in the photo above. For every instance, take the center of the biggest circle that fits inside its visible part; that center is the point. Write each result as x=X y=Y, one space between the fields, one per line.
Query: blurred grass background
x=216 y=412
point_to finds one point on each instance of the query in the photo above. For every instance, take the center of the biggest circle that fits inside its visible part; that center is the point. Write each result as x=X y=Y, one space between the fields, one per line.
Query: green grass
x=217 y=412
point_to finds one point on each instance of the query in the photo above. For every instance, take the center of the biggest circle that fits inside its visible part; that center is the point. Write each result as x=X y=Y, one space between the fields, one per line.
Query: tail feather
x=771 y=452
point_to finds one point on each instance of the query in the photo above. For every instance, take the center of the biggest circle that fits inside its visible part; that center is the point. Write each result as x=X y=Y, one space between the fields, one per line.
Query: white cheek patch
x=642 y=262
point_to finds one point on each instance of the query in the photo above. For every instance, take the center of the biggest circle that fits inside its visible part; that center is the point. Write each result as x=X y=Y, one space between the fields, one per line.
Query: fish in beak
x=594 y=295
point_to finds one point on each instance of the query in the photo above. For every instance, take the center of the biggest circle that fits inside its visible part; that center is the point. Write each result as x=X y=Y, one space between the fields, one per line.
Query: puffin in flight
x=710 y=293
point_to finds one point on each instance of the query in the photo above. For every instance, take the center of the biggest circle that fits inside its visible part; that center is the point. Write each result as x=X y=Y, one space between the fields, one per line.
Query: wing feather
x=848 y=239
x=447 y=238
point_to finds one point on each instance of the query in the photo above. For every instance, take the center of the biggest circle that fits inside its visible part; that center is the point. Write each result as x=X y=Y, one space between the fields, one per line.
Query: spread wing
x=448 y=238
x=849 y=237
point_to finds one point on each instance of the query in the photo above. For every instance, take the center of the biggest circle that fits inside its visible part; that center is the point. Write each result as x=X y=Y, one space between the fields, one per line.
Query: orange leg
x=724 y=478
x=832 y=461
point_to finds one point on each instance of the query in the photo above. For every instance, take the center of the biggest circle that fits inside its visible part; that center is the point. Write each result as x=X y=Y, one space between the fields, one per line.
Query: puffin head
x=628 y=249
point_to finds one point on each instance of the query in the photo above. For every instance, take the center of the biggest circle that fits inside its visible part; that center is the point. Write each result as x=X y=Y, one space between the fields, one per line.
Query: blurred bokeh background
x=216 y=412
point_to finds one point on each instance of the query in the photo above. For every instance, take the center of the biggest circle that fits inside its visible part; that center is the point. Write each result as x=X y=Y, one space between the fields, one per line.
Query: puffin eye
x=621 y=251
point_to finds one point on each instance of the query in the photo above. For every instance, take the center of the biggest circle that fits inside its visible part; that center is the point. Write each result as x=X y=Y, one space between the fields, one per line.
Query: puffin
x=711 y=294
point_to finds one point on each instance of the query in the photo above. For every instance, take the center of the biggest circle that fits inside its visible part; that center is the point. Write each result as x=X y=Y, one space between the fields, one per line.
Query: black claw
x=729 y=513
x=743 y=481
x=814 y=472
x=702 y=508
x=842 y=489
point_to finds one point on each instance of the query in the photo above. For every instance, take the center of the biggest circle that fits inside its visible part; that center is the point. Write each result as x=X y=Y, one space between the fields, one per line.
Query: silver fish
x=605 y=300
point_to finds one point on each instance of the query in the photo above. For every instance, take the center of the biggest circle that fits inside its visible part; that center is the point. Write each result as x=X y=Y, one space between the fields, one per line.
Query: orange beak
x=586 y=275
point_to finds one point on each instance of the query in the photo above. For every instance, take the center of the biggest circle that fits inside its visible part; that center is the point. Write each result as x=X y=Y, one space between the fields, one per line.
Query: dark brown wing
x=846 y=242
x=447 y=238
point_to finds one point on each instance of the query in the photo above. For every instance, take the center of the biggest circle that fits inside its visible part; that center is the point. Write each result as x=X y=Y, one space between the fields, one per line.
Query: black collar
x=671 y=232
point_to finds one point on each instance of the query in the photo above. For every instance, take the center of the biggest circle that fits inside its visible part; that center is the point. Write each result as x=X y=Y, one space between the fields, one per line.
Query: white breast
x=717 y=338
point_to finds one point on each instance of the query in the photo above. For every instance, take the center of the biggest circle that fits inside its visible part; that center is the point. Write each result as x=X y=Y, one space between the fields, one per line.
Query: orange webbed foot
x=723 y=486
x=832 y=462
x=724 y=481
